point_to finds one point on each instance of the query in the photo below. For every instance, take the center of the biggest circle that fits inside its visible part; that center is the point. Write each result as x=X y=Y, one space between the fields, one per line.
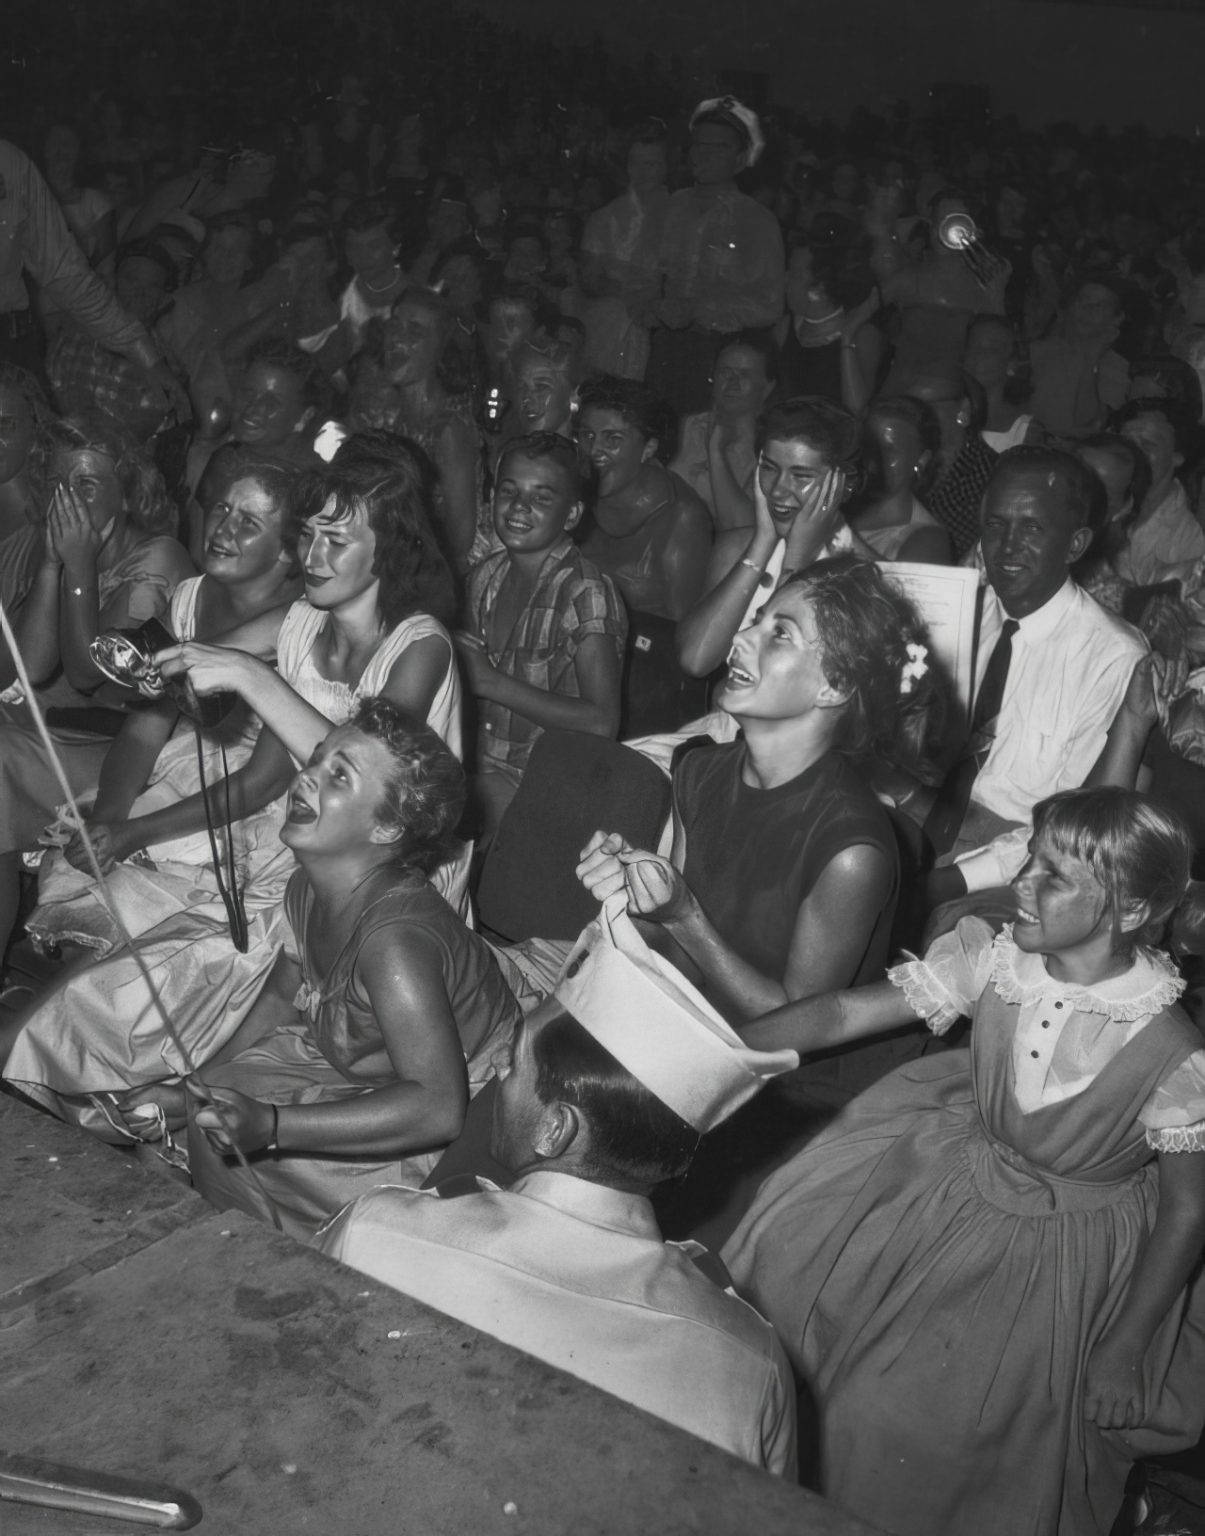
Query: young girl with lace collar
x=982 y=1267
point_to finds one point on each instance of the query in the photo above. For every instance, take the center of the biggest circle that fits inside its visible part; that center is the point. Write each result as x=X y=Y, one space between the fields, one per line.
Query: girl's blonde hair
x=1139 y=853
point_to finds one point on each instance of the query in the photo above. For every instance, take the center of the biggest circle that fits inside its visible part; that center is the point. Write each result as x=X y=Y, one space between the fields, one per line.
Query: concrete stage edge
x=143 y=1333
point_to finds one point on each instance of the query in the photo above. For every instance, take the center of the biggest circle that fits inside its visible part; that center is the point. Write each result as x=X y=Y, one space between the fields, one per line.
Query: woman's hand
x=1155 y=684
x=210 y=668
x=655 y=890
x=599 y=868
x=230 y=1119
x=1113 y=1384
x=70 y=535
x=816 y=521
x=1165 y=624
x=110 y=842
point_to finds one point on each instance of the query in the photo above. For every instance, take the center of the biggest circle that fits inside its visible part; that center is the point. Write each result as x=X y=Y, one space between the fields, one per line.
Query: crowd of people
x=434 y=517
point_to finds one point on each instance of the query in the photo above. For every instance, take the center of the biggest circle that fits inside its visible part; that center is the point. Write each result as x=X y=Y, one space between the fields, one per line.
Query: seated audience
x=217 y=306
x=903 y=439
x=108 y=561
x=276 y=410
x=419 y=386
x=1165 y=537
x=826 y=344
x=546 y=629
x=809 y=459
x=372 y=622
x=249 y=577
x=1052 y=668
x=24 y=454
x=568 y=1262
x=1078 y=377
x=1125 y=472
x=964 y=462
x=383 y=1014
x=997 y=358
x=716 y=454
x=934 y=299
x=87 y=376
x=975 y=1185
x=371 y=236
x=547 y=374
x=784 y=868
x=650 y=534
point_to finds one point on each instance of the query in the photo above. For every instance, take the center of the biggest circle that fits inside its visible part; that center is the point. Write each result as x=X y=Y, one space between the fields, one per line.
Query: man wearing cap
x=607 y=1088
x=721 y=258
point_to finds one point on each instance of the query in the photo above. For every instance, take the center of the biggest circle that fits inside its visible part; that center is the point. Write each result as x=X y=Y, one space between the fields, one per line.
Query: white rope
x=124 y=934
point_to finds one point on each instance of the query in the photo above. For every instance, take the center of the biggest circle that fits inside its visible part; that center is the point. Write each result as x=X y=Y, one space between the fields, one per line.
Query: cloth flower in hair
x=915 y=667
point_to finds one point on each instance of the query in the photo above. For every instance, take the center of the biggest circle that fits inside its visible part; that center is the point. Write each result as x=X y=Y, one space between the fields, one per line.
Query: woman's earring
x=963 y=419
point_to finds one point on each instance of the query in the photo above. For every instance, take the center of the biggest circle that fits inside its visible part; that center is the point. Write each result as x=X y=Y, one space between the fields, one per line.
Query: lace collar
x=1151 y=984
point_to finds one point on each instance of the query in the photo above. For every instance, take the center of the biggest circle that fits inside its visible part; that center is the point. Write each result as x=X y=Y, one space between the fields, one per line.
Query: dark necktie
x=991 y=689
x=949 y=809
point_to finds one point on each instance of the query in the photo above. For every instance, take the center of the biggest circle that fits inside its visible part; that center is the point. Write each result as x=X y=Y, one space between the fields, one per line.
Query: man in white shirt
x=607 y=1088
x=1070 y=665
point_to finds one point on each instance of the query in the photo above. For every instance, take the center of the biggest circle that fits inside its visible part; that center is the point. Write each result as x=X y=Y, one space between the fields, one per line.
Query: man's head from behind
x=616 y=1076
x=566 y=1104
x=1035 y=522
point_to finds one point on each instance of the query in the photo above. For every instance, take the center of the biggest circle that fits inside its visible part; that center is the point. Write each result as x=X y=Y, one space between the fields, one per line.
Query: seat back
x=575 y=784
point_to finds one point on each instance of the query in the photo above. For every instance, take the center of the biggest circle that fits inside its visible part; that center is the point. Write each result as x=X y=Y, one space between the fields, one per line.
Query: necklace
x=384 y=287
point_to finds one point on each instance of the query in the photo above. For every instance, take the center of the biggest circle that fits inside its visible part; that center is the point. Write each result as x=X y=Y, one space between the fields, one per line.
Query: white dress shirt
x=579 y=1276
x=1071 y=664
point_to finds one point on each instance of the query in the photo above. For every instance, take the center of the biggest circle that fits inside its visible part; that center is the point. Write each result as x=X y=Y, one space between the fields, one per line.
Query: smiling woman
x=415 y=381
x=808 y=462
x=650 y=533
x=402 y=1007
x=250 y=578
x=377 y=580
x=783 y=872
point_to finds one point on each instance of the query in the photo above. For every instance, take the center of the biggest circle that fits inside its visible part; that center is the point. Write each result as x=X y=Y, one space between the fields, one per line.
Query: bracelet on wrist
x=758 y=570
x=274 y=1139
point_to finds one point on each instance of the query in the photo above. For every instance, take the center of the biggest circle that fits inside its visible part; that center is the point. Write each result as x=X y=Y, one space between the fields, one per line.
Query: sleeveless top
x=342 y=1024
x=336 y=700
x=754 y=855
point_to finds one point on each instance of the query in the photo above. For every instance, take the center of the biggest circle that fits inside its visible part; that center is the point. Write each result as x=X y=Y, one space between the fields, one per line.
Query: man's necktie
x=991 y=689
x=949 y=809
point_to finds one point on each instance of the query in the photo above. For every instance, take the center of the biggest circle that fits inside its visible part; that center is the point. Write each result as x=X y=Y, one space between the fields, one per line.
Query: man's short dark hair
x=634 y=1137
x=546 y=445
x=1080 y=487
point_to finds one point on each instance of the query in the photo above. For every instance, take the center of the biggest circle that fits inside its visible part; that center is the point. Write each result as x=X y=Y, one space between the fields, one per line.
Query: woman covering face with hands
x=109 y=561
x=808 y=462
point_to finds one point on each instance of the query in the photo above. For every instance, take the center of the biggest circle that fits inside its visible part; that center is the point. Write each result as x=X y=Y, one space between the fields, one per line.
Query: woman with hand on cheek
x=808 y=461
